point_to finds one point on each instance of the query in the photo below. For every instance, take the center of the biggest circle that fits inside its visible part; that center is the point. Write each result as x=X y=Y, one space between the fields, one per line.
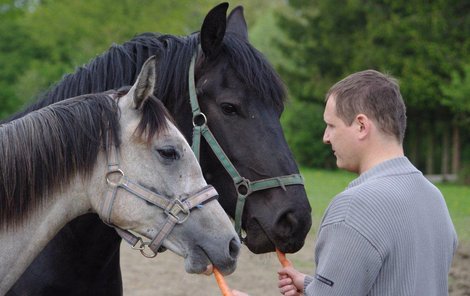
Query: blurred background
x=312 y=44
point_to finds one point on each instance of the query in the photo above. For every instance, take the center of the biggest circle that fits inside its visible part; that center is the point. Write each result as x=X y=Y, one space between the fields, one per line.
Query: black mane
x=121 y=64
x=254 y=70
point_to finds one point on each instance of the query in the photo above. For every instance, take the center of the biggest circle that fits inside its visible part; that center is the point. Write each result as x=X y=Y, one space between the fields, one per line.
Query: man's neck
x=375 y=155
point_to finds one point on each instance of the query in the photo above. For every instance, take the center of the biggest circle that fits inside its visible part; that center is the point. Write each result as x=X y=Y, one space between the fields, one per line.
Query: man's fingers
x=288 y=290
x=284 y=282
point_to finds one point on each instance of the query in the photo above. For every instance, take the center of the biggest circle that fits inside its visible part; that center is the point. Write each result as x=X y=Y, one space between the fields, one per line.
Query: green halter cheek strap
x=243 y=186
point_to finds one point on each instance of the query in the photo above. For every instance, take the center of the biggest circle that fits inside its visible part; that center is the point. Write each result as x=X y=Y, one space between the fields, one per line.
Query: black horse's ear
x=236 y=23
x=213 y=30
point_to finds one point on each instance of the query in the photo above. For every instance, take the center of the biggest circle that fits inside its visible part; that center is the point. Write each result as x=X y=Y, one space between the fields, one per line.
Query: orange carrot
x=222 y=283
x=282 y=258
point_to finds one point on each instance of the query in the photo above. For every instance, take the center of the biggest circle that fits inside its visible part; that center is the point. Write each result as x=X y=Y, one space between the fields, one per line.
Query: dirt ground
x=459 y=283
x=255 y=274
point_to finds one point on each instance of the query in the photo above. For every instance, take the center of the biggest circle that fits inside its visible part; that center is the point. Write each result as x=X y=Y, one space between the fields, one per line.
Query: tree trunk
x=413 y=143
x=455 y=149
x=445 y=154
x=429 y=150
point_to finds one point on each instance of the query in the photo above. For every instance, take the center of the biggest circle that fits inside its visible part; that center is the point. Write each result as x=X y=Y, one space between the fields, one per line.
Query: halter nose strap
x=177 y=210
x=243 y=186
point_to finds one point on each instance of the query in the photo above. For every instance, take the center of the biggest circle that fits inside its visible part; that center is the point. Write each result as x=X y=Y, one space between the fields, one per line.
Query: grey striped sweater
x=388 y=233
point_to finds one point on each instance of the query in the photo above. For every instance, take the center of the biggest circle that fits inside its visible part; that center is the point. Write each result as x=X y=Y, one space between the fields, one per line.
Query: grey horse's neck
x=21 y=245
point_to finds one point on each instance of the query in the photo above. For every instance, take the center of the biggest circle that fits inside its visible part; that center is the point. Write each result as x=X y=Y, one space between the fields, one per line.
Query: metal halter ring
x=199 y=119
x=145 y=254
x=243 y=187
x=111 y=182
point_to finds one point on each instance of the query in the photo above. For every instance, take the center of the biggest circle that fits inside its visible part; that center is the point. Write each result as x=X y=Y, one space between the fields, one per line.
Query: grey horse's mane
x=41 y=152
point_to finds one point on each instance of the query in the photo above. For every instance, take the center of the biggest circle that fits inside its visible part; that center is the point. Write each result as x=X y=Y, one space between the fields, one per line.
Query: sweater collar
x=396 y=166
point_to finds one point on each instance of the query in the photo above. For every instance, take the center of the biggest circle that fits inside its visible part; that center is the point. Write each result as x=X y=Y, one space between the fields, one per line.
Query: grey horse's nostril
x=234 y=248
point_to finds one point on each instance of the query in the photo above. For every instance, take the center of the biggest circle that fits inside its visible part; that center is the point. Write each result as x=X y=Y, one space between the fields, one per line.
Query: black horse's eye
x=168 y=153
x=228 y=109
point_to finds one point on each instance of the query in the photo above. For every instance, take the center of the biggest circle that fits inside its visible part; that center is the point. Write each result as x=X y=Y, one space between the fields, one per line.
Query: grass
x=458 y=202
x=322 y=186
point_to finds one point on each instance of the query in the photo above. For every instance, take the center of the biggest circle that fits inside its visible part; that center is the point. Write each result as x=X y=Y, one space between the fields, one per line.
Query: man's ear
x=363 y=125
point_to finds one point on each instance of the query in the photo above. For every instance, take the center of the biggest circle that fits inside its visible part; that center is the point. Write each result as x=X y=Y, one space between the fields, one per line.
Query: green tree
x=70 y=33
x=457 y=97
x=419 y=43
x=40 y=41
x=16 y=54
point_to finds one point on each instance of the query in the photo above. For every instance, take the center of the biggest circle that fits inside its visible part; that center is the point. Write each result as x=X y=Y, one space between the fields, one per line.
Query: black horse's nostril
x=287 y=223
x=234 y=248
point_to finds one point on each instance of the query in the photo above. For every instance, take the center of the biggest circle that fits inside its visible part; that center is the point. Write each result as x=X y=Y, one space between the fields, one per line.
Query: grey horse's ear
x=145 y=83
x=236 y=23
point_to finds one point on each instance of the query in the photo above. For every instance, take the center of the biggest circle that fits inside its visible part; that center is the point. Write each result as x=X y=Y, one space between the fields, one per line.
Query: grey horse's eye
x=168 y=153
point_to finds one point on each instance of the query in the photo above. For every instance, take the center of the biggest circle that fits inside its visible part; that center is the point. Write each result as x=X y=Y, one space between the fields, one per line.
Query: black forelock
x=254 y=70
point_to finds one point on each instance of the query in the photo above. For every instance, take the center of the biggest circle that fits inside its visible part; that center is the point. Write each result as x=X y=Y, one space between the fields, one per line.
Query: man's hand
x=238 y=293
x=291 y=282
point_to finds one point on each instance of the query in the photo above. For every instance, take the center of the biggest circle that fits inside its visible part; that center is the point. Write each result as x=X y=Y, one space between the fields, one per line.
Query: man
x=389 y=232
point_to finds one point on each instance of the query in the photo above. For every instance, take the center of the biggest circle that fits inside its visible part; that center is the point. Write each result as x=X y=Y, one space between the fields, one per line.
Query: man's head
x=360 y=109
x=375 y=95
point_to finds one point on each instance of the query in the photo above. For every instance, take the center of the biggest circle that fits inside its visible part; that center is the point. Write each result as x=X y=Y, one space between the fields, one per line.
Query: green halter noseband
x=243 y=186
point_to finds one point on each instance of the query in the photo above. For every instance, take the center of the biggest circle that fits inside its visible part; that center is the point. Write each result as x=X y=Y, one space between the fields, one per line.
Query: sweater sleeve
x=347 y=263
x=308 y=279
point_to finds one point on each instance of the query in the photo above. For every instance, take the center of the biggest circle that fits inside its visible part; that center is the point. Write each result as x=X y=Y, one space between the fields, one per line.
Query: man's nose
x=326 y=137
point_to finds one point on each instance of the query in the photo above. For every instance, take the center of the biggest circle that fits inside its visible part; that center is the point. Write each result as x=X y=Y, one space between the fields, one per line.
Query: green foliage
x=43 y=40
x=65 y=34
x=420 y=43
x=412 y=40
x=263 y=30
x=313 y=44
x=464 y=173
x=303 y=126
x=457 y=94
x=13 y=38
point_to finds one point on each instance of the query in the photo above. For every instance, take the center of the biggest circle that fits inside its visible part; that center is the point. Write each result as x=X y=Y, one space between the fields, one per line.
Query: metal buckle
x=110 y=180
x=142 y=248
x=177 y=207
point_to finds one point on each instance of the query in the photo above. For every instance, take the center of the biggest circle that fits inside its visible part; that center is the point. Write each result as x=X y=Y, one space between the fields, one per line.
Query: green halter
x=243 y=186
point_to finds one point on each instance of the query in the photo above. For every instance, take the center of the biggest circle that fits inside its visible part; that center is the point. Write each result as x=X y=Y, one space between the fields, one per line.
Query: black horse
x=242 y=98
